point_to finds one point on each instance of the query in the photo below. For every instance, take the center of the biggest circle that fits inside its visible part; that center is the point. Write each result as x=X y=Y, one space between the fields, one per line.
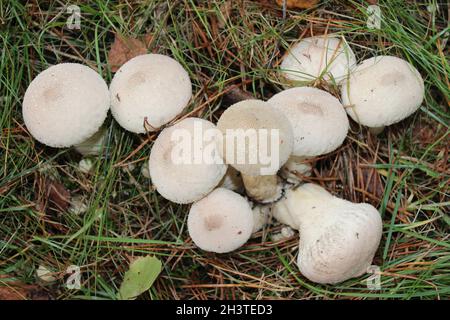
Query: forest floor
x=224 y=45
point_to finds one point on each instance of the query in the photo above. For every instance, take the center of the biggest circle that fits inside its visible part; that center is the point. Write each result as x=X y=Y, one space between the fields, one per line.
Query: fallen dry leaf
x=16 y=290
x=300 y=4
x=126 y=48
x=52 y=195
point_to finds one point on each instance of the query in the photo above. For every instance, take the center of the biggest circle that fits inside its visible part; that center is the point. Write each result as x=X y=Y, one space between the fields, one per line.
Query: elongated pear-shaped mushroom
x=149 y=91
x=338 y=238
x=319 y=124
x=257 y=141
x=327 y=57
x=382 y=91
x=184 y=163
x=65 y=105
x=221 y=222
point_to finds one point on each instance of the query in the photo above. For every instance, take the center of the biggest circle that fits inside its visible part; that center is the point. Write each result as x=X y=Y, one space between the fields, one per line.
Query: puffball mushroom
x=148 y=91
x=257 y=141
x=382 y=91
x=65 y=105
x=318 y=121
x=184 y=164
x=221 y=222
x=338 y=238
x=327 y=57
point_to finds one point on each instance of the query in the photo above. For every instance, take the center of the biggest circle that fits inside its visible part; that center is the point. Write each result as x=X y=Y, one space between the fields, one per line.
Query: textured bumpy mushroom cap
x=191 y=176
x=338 y=238
x=382 y=91
x=65 y=105
x=221 y=222
x=318 y=119
x=313 y=57
x=148 y=91
x=250 y=116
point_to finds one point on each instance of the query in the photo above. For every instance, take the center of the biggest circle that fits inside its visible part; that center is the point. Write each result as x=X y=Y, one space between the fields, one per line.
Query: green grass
x=127 y=218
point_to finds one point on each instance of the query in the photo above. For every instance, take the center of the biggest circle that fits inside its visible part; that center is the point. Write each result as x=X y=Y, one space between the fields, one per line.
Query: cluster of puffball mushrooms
x=66 y=105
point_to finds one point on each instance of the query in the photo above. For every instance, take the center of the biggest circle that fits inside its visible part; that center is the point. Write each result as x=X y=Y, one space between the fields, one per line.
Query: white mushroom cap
x=255 y=116
x=382 y=91
x=65 y=105
x=186 y=181
x=221 y=222
x=310 y=58
x=148 y=91
x=317 y=118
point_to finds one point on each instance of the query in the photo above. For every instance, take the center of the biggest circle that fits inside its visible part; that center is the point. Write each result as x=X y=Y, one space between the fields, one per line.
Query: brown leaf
x=52 y=195
x=125 y=48
x=300 y=4
x=16 y=290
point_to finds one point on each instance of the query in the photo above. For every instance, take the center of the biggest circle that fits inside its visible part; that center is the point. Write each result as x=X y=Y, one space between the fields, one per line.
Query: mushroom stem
x=376 y=130
x=262 y=188
x=338 y=238
x=294 y=168
x=93 y=145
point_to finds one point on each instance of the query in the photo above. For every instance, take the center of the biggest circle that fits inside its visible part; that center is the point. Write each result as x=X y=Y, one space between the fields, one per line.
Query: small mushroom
x=65 y=105
x=319 y=123
x=382 y=91
x=221 y=222
x=326 y=57
x=148 y=91
x=338 y=238
x=257 y=141
x=180 y=166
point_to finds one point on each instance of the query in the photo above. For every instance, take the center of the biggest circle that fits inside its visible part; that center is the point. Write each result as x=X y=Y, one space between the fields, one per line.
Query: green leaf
x=140 y=277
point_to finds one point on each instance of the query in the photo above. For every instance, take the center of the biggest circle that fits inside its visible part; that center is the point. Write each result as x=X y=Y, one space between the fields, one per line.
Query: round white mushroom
x=221 y=222
x=327 y=57
x=149 y=91
x=185 y=164
x=382 y=91
x=318 y=121
x=65 y=105
x=257 y=141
